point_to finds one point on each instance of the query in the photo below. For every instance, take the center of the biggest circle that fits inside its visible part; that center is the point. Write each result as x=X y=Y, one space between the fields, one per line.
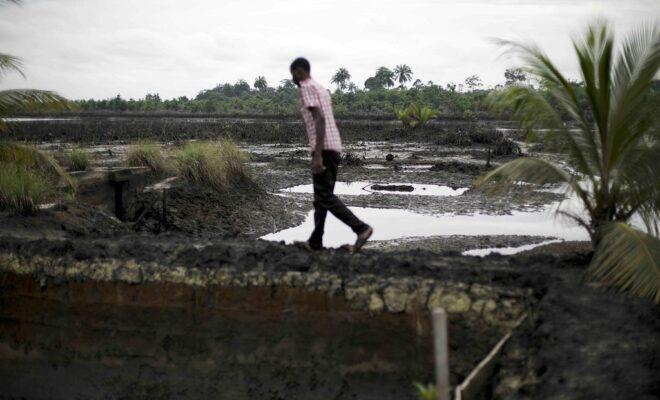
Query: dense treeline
x=380 y=96
x=239 y=98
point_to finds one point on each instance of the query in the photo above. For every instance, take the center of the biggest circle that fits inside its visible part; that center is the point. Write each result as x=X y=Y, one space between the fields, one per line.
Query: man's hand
x=317 y=164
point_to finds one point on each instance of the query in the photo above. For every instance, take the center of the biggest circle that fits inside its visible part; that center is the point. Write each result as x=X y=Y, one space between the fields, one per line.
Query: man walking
x=325 y=145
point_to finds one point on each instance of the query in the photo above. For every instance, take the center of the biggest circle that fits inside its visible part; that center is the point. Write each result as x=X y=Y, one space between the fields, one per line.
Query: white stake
x=441 y=348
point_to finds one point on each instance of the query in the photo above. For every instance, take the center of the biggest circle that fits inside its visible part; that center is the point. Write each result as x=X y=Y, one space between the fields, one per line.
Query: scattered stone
x=395 y=299
x=417 y=299
x=455 y=303
x=434 y=299
x=376 y=304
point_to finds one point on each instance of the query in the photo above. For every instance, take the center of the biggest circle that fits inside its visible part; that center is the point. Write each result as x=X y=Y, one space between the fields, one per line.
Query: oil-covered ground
x=199 y=293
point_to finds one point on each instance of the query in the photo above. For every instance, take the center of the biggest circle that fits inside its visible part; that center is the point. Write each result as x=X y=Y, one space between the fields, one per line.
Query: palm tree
x=340 y=78
x=18 y=156
x=385 y=77
x=24 y=99
x=403 y=74
x=614 y=148
x=260 y=83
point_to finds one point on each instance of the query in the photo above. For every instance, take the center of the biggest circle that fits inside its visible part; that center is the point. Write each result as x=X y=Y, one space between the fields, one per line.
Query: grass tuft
x=147 y=154
x=30 y=158
x=22 y=189
x=78 y=159
x=217 y=164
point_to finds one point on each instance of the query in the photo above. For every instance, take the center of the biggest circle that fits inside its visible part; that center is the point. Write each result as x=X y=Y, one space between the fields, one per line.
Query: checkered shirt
x=312 y=95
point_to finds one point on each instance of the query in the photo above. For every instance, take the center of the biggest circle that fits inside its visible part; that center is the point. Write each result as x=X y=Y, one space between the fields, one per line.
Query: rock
x=376 y=304
x=434 y=298
x=395 y=299
x=359 y=294
x=389 y=157
x=417 y=299
x=455 y=303
x=483 y=305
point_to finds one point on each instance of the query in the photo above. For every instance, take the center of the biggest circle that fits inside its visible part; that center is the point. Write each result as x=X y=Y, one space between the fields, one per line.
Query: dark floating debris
x=393 y=188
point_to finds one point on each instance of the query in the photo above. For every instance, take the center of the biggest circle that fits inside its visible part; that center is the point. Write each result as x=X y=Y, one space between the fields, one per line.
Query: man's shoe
x=362 y=238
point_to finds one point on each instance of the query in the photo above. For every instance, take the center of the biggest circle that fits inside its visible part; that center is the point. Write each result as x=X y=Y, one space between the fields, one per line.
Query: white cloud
x=95 y=48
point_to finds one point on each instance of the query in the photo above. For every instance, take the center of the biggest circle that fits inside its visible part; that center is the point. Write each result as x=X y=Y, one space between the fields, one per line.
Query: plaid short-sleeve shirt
x=313 y=95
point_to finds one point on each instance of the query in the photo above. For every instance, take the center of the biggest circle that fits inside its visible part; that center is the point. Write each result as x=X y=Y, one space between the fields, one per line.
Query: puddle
x=391 y=224
x=164 y=184
x=507 y=250
x=36 y=119
x=364 y=188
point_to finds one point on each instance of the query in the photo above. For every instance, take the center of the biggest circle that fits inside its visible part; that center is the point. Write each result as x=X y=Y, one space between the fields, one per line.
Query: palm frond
x=10 y=63
x=31 y=100
x=537 y=64
x=530 y=170
x=627 y=259
x=633 y=73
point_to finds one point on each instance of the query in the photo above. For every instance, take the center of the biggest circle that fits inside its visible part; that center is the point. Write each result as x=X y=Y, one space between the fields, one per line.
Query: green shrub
x=217 y=164
x=147 y=154
x=78 y=159
x=415 y=115
x=427 y=392
x=22 y=189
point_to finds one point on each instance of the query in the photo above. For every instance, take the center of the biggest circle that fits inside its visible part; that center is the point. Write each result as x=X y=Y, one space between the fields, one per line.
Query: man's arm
x=319 y=122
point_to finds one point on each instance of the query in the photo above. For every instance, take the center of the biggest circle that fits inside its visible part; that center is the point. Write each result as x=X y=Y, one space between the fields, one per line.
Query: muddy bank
x=242 y=209
x=585 y=343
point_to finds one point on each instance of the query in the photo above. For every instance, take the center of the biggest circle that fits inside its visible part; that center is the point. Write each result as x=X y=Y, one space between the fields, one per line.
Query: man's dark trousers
x=325 y=200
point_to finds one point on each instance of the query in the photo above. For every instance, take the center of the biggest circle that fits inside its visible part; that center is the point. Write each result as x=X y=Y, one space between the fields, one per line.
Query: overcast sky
x=101 y=48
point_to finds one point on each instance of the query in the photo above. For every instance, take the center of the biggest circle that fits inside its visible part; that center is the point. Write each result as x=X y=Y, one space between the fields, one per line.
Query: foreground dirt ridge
x=324 y=325
x=497 y=305
x=572 y=327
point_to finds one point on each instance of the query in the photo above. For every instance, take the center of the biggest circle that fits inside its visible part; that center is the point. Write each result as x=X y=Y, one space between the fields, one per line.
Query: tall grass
x=29 y=176
x=30 y=158
x=78 y=159
x=217 y=164
x=22 y=189
x=147 y=154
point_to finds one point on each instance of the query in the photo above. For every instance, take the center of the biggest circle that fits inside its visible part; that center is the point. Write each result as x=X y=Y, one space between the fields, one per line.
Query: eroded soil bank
x=233 y=319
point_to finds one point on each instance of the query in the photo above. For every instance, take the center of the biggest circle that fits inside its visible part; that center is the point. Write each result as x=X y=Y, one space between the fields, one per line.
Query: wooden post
x=441 y=349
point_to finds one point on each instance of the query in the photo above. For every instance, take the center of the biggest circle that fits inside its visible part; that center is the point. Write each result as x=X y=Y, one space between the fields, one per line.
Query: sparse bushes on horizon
x=217 y=164
x=147 y=154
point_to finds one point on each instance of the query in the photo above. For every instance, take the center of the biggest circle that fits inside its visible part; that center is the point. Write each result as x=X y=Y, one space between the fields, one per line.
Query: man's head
x=300 y=70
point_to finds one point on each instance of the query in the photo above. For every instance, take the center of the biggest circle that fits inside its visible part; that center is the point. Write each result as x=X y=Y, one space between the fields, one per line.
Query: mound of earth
x=70 y=219
x=241 y=209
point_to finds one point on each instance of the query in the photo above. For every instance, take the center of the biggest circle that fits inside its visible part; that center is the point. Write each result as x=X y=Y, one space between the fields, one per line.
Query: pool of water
x=364 y=188
x=391 y=224
x=507 y=250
